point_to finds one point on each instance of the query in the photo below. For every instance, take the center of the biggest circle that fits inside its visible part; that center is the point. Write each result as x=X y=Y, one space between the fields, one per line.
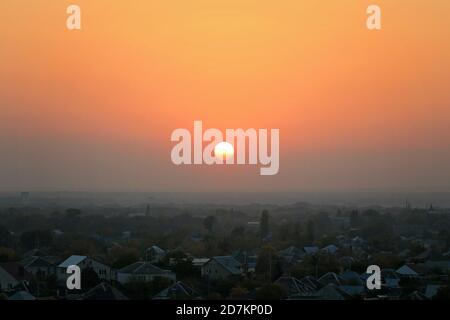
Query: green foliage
x=125 y=258
x=138 y=290
x=89 y=279
x=7 y=254
x=209 y=222
x=268 y=265
x=36 y=239
x=310 y=231
x=443 y=293
x=315 y=266
x=271 y=292
x=264 y=224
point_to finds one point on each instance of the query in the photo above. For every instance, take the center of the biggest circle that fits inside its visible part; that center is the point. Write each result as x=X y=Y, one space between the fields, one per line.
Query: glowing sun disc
x=223 y=149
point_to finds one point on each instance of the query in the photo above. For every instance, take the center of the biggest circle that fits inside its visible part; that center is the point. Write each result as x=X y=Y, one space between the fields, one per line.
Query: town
x=241 y=252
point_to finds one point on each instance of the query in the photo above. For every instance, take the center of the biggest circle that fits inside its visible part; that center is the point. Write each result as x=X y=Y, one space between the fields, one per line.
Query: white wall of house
x=103 y=271
x=43 y=271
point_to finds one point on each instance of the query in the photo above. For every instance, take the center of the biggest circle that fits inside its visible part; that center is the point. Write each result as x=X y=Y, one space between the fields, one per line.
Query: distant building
x=143 y=272
x=292 y=254
x=178 y=290
x=155 y=254
x=253 y=224
x=103 y=271
x=221 y=267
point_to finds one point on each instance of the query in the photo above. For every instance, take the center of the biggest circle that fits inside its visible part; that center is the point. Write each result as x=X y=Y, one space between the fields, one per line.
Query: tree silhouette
x=209 y=222
x=264 y=224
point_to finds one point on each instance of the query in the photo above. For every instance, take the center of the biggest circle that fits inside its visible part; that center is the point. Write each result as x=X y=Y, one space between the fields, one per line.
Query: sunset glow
x=94 y=108
x=223 y=150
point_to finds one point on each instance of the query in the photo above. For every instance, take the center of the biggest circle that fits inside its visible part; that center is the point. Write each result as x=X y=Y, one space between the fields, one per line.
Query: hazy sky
x=94 y=109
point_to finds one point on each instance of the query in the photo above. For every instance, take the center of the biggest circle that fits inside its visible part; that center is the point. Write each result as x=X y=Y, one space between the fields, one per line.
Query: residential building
x=144 y=272
x=220 y=267
x=104 y=272
x=179 y=290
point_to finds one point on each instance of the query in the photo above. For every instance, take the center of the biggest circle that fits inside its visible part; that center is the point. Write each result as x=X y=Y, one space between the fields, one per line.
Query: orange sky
x=94 y=109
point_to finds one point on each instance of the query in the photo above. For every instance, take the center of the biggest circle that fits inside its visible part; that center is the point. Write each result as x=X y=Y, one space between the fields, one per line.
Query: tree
x=184 y=269
x=443 y=293
x=71 y=212
x=310 y=232
x=237 y=232
x=7 y=254
x=268 y=265
x=5 y=237
x=89 y=279
x=271 y=292
x=354 y=219
x=36 y=239
x=209 y=222
x=264 y=224
x=125 y=258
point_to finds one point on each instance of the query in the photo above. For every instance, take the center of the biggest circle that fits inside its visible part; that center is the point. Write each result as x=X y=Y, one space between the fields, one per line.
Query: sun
x=223 y=150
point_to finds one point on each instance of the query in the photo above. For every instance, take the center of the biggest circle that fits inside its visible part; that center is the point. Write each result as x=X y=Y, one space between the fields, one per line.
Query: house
x=199 y=262
x=312 y=282
x=310 y=250
x=22 y=295
x=431 y=290
x=332 y=292
x=346 y=262
x=104 y=291
x=7 y=281
x=16 y=270
x=330 y=278
x=390 y=278
x=351 y=278
x=155 y=254
x=292 y=255
x=296 y=288
x=410 y=270
x=247 y=259
x=143 y=272
x=179 y=290
x=415 y=295
x=38 y=266
x=41 y=252
x=220 y=267
x=353 y=290
x=103 y=271
x=330 y=249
